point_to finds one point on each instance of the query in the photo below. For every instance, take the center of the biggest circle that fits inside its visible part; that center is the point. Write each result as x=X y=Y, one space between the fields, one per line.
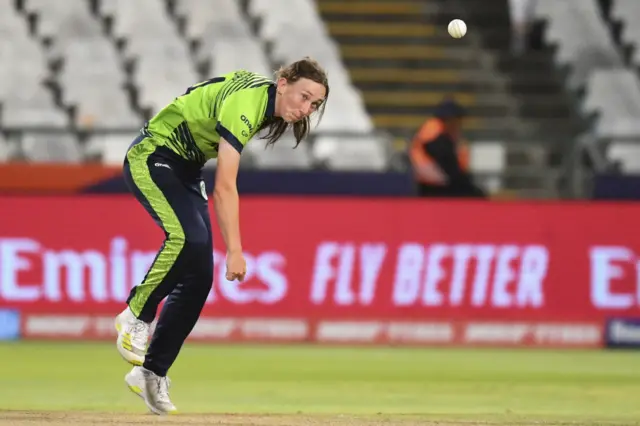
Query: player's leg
x=160 y=191
x=183 y=305
x=185 y=302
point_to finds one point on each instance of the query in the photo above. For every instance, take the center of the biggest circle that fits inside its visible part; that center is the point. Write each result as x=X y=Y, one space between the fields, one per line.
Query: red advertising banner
x=334 y=270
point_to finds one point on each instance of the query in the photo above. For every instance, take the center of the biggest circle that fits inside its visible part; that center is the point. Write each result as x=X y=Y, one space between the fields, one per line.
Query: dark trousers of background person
x=171 y=190
x=436 y=191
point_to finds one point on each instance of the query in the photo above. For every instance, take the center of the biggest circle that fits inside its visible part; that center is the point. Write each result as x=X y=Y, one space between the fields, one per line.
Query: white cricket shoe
x=153 y=389
x=133 y=337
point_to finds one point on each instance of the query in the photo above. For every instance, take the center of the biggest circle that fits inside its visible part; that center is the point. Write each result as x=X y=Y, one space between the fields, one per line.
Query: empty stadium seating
x=351 y=153
x=111 y=148
x=488 y=162
x=51 y=147
x=306 y=36
x=222 y=51
x=615 y=96
x=25 y=102
x=107 y=65
x=115 y=61
x=627 y=154
x=587 y=44
x=280 y=155
x=581 y=35
x=627 y=12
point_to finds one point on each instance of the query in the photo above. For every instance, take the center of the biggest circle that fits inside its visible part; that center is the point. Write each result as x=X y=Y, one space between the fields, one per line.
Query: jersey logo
x=162 y=165
x=246 y=121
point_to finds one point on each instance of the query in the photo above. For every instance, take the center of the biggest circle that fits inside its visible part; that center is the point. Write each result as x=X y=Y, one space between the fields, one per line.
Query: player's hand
x=433 y=173
x=236 y=266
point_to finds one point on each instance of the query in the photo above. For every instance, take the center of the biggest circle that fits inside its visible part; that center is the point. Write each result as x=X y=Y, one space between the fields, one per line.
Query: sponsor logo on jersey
x=246 y=121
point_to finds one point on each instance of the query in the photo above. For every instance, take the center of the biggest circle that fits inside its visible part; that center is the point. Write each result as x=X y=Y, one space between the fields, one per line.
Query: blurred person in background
x=440 y=158
x=522 y=12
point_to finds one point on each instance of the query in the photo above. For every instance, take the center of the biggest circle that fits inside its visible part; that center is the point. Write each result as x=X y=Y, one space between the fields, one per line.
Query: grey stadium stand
x=106 y=65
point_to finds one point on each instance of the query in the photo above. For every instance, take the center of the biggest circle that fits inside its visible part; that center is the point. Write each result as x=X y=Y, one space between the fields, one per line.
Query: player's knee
x=195 y=245
x=194 y=240
x=200 y=253
x=198 y=245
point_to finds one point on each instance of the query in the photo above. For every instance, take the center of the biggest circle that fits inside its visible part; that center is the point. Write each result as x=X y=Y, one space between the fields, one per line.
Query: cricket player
x=162 y=168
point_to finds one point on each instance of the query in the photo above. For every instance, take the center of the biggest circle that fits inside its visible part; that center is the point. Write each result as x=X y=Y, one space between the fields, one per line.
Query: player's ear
x=282 y=84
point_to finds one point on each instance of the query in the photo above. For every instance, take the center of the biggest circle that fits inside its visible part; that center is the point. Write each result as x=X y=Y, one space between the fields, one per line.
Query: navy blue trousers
x=172 y=191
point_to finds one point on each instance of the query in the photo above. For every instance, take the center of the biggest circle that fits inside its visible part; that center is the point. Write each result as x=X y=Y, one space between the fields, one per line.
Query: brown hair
x=305 y=68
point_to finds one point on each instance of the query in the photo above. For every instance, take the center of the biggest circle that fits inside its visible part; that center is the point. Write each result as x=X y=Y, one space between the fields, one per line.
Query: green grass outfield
x=492 y=385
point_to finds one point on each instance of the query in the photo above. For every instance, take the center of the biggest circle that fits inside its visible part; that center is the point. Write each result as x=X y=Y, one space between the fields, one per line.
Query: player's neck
x=277 y=110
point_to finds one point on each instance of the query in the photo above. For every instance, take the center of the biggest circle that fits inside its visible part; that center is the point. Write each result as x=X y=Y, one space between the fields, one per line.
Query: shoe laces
x=140 y=333
x=163 y=384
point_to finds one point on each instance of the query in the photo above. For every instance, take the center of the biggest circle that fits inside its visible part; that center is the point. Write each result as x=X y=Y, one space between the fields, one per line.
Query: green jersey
x=232 y=106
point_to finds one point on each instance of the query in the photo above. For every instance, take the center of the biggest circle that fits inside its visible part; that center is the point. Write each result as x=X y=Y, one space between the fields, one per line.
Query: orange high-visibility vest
x=429 y=132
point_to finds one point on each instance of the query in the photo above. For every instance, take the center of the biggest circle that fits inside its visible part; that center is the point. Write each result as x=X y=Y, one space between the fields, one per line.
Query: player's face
x=299 y=99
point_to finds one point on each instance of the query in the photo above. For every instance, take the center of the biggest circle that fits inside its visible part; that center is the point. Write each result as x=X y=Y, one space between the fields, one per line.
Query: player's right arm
x=227 y=206
x=237 y=123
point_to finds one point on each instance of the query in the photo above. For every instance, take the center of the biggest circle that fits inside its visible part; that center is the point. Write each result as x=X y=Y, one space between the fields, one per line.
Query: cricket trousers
x=172 y=191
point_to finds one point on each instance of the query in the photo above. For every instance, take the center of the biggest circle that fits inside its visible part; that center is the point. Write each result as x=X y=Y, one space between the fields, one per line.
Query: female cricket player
x=162 y=168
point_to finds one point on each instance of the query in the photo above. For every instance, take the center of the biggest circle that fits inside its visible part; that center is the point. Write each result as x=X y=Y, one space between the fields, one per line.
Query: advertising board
x=340 y=270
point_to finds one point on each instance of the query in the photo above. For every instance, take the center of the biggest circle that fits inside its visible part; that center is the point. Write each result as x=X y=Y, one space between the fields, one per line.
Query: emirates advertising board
x=340 y=270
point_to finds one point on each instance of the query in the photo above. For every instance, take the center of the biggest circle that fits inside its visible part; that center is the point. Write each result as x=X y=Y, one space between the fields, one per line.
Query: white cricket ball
x=457 y=28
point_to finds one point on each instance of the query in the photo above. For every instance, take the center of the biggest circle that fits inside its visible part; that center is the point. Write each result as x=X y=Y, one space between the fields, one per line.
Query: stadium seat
x=25 y=101
x=581 y=35
x=163 y=70
x=91 y=77
x=281 y=155
x=63 y=20
x=51 y=147
x=27 y=66
x=292 y=40
x=111 y=148
x=487 y=157
x=224 y=19
x=352 y=153
x=627 y=153
x=143 y=48
x=229 y=35
x=92 y=80
x=138 y=18
x=487 y=160
x=225 y=58
x=37 y=112
x=627 y=12
x=108 y=110
x=276 y=23
x=615 y=96
x=345 y=112
x=10 y=20
x=586 y=45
